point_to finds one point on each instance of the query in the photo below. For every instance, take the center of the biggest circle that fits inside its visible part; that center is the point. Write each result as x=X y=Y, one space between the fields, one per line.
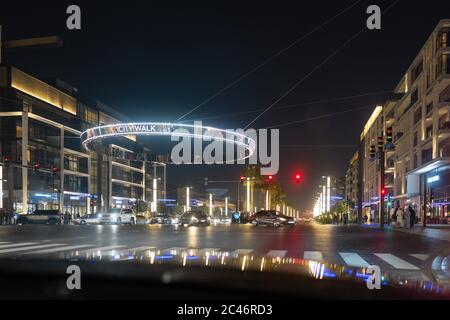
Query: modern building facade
x=416 y=168
x=43 y=164
x=352 y=186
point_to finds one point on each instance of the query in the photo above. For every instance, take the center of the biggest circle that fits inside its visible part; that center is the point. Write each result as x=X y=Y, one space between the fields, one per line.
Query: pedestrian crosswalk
x=313 y=255
x=396 y=262
x=350 y=258
x=353 y=259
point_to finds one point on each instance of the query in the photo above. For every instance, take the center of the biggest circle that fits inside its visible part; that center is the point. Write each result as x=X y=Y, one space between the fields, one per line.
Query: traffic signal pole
x=381 y=190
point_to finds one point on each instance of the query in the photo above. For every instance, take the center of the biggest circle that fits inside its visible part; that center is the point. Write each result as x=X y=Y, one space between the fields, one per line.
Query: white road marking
x=313 y=255
x=241 y=252
x=210 y=250
x=31 y=247
x=419 y=256
x=65 y=248
x=130 y=250
x=276 y=254
x=4 y=242
x=353 y=259
x=100 y=249
x=17 y=244
x=174 y=250
x=396 y=262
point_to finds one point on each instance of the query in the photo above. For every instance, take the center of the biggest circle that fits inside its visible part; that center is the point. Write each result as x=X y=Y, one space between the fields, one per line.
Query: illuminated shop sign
x=433 y=179
x=43 y=195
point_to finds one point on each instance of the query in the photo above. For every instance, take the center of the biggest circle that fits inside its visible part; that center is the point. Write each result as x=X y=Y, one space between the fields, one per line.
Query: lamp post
x=155 y=195
x=226 y=206
x=248 y=195
x=187 y=199
x=210 y=204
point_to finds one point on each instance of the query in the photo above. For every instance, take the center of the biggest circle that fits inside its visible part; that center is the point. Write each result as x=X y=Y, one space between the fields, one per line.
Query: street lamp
x=187 y=199
x=210 y=204
x=226 y=206
x=328 y=193
x=155 y=196
x=248 y=195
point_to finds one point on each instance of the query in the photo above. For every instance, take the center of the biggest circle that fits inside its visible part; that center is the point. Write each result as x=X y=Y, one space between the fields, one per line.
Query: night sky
x=156 y=60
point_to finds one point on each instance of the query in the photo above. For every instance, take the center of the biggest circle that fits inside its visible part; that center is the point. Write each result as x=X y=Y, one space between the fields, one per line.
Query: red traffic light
x=298 y=177
x=383 y=191
x=242 y=179
x=37 y=165
x=55 y=170
x=270 y=177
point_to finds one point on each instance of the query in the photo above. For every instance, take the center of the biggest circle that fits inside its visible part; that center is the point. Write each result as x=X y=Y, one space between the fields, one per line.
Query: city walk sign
x=220 y=143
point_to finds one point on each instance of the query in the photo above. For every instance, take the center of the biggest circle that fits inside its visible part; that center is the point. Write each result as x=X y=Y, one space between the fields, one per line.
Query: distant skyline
x=156 y=61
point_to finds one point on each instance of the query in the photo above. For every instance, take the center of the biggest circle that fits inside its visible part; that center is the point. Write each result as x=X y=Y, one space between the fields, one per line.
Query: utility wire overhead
x=328 y=58
x=292 y=105
x=269 y=60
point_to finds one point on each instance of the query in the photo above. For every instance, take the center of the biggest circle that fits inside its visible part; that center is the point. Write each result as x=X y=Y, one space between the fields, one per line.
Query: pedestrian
x=2 y=216
x=407 y=218
x=400 y=218
x=66 y=217
x=413 y=216
x=394 y=216
x=10 y=217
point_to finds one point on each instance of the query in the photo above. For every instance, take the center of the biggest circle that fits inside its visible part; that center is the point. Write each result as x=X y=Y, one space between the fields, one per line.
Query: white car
x=88 y=219
x=118 y=216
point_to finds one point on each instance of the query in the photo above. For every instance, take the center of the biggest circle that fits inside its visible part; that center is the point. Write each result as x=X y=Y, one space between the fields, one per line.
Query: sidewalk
x=439 y=231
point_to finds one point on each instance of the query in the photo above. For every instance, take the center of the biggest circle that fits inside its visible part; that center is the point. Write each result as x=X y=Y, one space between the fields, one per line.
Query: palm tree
x=261 y=185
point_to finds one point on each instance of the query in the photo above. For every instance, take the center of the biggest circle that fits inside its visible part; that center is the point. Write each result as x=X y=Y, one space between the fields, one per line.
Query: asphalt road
x=392 y=250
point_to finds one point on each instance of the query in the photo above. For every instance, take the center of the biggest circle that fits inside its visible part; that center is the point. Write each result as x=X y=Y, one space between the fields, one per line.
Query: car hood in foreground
x=204 y=275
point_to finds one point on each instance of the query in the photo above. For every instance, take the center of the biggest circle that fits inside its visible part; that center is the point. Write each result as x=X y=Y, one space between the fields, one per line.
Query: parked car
x=88 y=219
x=119 y=216
x=195 y=218
x=40 y=216
x=272 y=218
x=140 y=219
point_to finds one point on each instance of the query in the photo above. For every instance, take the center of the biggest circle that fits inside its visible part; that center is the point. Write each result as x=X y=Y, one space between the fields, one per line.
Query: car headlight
x=99 y=216
x=282 y=219
x=194 y=219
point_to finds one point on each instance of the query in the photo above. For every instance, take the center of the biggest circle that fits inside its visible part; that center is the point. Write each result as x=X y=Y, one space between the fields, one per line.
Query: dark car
x=162 y=218
x=272 y=218
x=41 y=216
x=195 y=218
x=284 y=219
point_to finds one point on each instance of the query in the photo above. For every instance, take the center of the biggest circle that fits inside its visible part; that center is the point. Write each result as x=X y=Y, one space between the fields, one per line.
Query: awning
x=436 y=163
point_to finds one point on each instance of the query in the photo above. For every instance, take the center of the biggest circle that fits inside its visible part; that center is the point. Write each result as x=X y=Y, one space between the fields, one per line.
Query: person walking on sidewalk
x=407 y=218
x=394 y=216
x=412 y=214
x=400 y=218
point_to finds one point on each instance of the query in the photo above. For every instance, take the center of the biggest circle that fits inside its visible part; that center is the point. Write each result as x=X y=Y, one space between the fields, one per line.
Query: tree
x=277 y=196
x=141 y=206
x=178 y=209
x=161 y=208
x=204 y=209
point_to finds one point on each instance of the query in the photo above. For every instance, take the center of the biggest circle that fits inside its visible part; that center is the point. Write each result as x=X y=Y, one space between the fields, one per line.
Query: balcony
x=444 y=130
x=390 y=165
x=444 y=107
